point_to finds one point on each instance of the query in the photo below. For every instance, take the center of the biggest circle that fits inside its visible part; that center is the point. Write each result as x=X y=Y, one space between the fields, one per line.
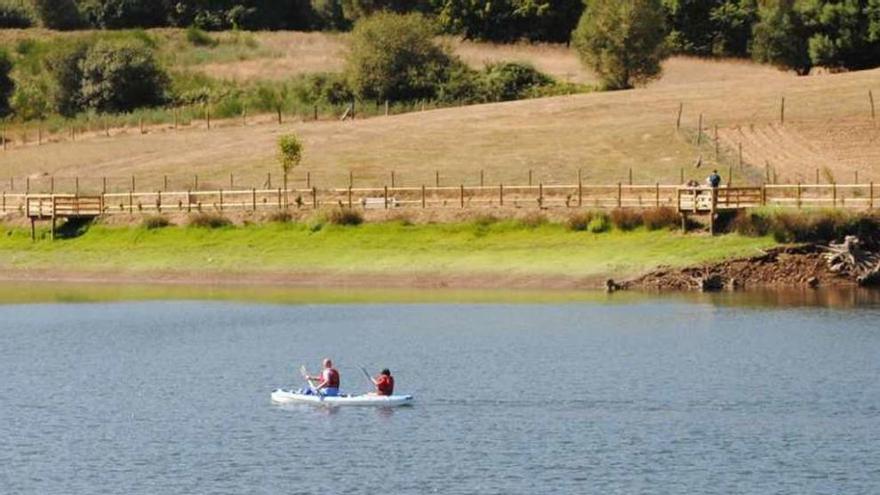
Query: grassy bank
x=480 y=254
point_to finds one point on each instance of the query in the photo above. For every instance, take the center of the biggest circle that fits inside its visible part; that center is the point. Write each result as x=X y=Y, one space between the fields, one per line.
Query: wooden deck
x=54 y=206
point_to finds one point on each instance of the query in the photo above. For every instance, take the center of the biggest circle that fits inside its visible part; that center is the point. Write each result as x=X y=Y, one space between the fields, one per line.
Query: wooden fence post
x=315 y=198
x=782 y=112
x=834 y=195
x=158 y=201
x=269 y=180
x=700 y=131
x=393 y=182
x=27 y=185
x=386 y=197
x=482 y=179
x=541 y=194
x=461 y=196
x=630 y=176
x=740 y=148
x=221 y=199
x=530 y=177
x=208 y=116
x=501 y=194
x=871 y=196
x=657 y=194
x=678 y=119
x=799 y=194
x=308 y=180
x=437 y=177
x=76 y=186
x=196 y=182
x=873 y=113
x=423 y=196
x=231 y=181
x=254 y=199
x=349 y=196
x=165 y=182
x=619 y=195
x=387 y=108
x=580 y=189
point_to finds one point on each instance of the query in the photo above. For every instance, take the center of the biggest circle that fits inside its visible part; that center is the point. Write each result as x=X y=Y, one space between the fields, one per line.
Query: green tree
x=622 y=41
x=7 y=85
x=62 y=64
x=510 y=20
x=57 y=14
x=290 y=151
x=780 y=37
x=121 y=76
x=710 y=27
x=842 y=33
x=118 y=14
x=395 y=57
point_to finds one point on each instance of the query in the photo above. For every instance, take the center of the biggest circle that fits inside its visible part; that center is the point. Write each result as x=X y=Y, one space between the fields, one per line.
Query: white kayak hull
x=288 y=397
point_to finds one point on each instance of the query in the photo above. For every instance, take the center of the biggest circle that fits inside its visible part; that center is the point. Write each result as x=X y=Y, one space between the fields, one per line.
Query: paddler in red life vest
x=328 y=384
x=384 y=383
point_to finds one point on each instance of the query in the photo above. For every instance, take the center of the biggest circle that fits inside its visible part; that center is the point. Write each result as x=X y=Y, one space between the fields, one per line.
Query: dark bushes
x=209 y=221
x=661 y=218
x=154 y=222
x=345 y=216
x=816 y=226
x=625 y=219
x=14 y=15
x=579 y=221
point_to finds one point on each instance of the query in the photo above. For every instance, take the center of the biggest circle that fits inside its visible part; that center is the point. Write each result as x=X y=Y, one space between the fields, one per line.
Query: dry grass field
x=827 y=126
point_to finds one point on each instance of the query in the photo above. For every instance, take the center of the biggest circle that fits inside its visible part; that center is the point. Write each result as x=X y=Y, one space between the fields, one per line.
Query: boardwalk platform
x=712 y=201
x=54 y=206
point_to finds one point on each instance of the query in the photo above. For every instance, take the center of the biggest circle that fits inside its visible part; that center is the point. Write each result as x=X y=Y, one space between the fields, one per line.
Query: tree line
x=797 y=34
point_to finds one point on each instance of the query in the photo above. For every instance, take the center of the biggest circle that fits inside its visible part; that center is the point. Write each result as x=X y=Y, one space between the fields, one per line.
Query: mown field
x=502 y=254
x=827 y=127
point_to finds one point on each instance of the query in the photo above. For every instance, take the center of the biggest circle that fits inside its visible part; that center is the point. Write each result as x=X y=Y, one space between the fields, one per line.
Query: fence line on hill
x=539 y=196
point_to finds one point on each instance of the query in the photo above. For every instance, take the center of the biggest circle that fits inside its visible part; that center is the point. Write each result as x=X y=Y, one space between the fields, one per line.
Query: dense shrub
x=485 y=220
x=63 y=65
x=804 y=226
x=663 y=217
x=533 y=220
x=626 y=219
x=751 y=224
x=579 y=221
x=280 y=216
x=7 y=86
x=622 y=41
x=120 y=14
x=506 y=81
x=14 y=15
x=153 y=222
x=209 y=221
x=345 y=216
x=396 y=57
x=121 y=76
x=57 y=14
x=599 y=224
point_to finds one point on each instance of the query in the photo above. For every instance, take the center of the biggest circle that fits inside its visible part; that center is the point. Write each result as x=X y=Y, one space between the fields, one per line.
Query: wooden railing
x=60 y=205
x=861 y=196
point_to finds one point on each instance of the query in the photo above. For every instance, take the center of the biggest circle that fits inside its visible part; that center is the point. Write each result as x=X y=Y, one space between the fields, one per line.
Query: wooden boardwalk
x=66 y=206
x=687 y=200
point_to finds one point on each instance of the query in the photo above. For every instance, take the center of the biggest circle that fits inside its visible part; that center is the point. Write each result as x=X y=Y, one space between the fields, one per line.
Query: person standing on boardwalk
x=714 y=179
x=328 y=380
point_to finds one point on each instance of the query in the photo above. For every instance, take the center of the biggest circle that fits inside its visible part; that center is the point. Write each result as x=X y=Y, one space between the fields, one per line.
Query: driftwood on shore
x=851 y=259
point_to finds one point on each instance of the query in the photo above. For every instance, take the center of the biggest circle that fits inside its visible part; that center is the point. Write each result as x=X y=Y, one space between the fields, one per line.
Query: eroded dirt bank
x=782 y=267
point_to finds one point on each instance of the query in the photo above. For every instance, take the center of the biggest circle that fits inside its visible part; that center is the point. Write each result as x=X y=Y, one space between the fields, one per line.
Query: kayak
x=289 y=397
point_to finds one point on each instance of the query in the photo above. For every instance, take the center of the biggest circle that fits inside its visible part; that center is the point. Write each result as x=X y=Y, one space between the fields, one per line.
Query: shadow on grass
x=73 y=228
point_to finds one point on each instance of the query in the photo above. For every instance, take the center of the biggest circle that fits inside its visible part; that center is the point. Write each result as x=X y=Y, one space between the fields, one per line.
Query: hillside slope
x=828 y=126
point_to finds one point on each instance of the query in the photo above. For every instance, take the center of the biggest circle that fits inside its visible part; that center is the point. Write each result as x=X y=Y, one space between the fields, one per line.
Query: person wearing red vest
x=384 y=383
x=328 y=380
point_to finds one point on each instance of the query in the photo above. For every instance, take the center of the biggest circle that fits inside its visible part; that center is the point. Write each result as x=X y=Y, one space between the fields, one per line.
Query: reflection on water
x=48 y=292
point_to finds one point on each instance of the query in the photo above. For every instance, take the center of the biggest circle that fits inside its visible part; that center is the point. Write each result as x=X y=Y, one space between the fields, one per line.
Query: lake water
x=642 y=395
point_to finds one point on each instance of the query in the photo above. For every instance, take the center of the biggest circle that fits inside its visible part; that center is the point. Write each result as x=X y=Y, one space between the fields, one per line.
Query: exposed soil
x=783 y=267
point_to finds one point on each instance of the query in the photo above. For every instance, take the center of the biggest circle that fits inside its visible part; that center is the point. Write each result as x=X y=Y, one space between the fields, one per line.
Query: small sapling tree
x=289 y=156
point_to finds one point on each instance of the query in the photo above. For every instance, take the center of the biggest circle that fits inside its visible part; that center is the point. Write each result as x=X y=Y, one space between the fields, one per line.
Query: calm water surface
x=642 y=397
